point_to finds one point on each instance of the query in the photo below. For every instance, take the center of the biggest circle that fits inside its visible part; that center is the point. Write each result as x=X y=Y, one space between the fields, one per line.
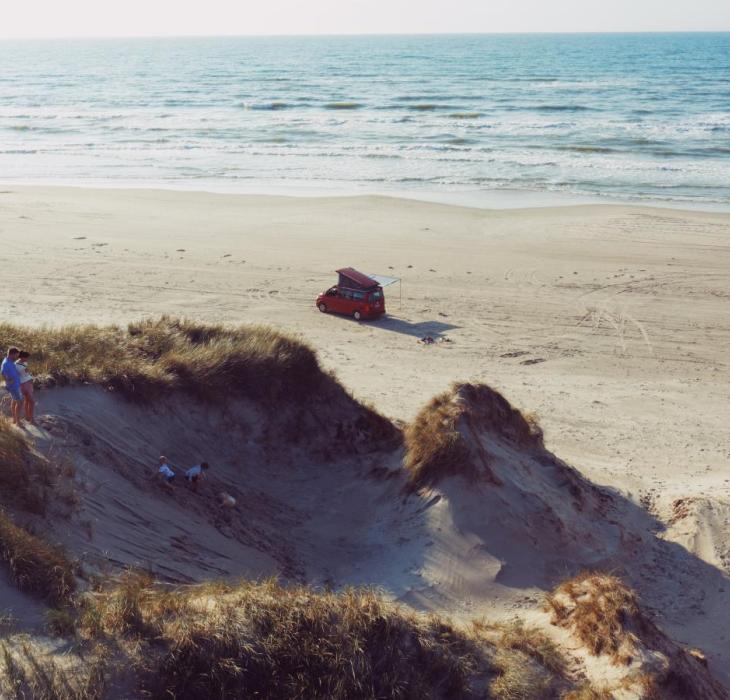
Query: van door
x=359 y=302
x=346 y=301
x=333 y=300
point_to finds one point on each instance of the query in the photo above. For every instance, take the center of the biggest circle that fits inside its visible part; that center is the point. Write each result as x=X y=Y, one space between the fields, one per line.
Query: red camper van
x=355 y=295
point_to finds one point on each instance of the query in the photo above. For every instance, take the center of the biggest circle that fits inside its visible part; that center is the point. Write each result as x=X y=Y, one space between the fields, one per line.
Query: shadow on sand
x=435 y=329
x=689 y=598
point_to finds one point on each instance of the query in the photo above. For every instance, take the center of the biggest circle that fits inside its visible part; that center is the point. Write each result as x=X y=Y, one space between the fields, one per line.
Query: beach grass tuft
x=34 y=565
x=443 y=439
x=151 y=357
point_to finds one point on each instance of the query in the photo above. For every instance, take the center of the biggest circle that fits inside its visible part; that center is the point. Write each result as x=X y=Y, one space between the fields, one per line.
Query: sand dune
x=485 y=538
x=608 y=322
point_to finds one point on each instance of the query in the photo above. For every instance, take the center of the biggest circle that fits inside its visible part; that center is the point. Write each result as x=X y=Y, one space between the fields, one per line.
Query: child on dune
x=165 y=472
x=196 y=474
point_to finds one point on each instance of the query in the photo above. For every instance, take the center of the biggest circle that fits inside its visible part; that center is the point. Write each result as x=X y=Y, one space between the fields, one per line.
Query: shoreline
x=486 y=200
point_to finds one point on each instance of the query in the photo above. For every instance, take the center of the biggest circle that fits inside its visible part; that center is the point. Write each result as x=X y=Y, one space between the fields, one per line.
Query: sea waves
x=608 y=115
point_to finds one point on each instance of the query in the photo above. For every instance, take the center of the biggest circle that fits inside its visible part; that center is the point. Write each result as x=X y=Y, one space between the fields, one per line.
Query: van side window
x=358 y=296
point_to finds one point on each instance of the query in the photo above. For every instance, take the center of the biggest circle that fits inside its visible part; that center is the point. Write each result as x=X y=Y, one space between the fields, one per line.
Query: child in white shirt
x=165 y=472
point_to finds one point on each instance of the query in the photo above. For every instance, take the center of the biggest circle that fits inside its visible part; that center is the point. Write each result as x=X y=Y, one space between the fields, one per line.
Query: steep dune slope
x=266 y=460
x=464 y=513
x=535 y=515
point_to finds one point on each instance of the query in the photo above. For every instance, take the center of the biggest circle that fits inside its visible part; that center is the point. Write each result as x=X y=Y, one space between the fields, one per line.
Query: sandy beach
x=608 y=322
x=605 y=324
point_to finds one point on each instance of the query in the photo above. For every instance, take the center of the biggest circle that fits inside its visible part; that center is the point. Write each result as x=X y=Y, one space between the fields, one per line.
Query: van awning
x=384 y=281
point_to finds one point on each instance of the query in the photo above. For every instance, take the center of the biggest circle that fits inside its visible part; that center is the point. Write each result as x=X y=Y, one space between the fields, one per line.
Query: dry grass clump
x=522 y=678
x=491 y=411
x=153 y=356
x=588 y=692
x=13 y=449
x=27 y=673
x=24 y=476
x=131 y=605
x=435 y=447
x=443 y=440
x=264 y=640
x=268 y=641
x=535 y=644
x=528 y=665
x=35 y=565
x=602 y=612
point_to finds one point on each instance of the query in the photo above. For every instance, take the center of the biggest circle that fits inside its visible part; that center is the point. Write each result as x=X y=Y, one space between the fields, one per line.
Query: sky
x=98 y=18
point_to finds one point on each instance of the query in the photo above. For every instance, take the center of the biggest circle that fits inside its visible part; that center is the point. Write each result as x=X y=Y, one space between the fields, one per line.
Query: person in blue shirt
x=165 y=471
x=196 y=474
x=12 y=382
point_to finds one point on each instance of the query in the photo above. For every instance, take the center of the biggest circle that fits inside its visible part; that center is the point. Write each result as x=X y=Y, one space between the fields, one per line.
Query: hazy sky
x=44 y=18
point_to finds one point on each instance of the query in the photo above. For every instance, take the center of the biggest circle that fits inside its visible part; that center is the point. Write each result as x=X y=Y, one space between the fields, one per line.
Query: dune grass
x=29 y=673
x=35 y=566
x=264 y=640
x=435 y=448
x=605 y=615
x=25 y=477
x=587 y=692
x=441 y=440
x=518 y=637
x=270 y=641
x=602 y=612
x=151 y=357
x=27 y=480
x=13 y=451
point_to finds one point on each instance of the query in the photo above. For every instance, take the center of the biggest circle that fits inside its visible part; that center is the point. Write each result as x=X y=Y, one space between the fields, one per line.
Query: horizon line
x=358 y=34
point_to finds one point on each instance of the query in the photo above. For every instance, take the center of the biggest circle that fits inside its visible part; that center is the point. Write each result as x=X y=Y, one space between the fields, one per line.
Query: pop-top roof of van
x=358 y=278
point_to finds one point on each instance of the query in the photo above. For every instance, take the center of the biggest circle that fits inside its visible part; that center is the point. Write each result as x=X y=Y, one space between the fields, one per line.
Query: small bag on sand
x=226 y=500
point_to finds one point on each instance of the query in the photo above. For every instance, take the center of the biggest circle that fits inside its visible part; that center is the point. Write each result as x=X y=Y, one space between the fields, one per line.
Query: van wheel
x=357 y=315
x=323 y=308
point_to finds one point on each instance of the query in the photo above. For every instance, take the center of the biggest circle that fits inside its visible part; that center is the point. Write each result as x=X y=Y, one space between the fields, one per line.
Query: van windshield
x=376 y=296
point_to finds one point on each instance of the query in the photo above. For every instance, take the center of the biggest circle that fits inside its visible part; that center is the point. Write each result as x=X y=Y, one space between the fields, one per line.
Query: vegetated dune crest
x=465 y=513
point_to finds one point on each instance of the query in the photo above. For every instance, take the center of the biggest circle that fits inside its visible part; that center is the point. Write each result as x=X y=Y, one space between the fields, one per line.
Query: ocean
x=611 y=117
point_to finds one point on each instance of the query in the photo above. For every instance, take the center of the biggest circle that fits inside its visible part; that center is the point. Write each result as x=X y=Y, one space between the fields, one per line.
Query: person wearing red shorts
x=26 y=386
